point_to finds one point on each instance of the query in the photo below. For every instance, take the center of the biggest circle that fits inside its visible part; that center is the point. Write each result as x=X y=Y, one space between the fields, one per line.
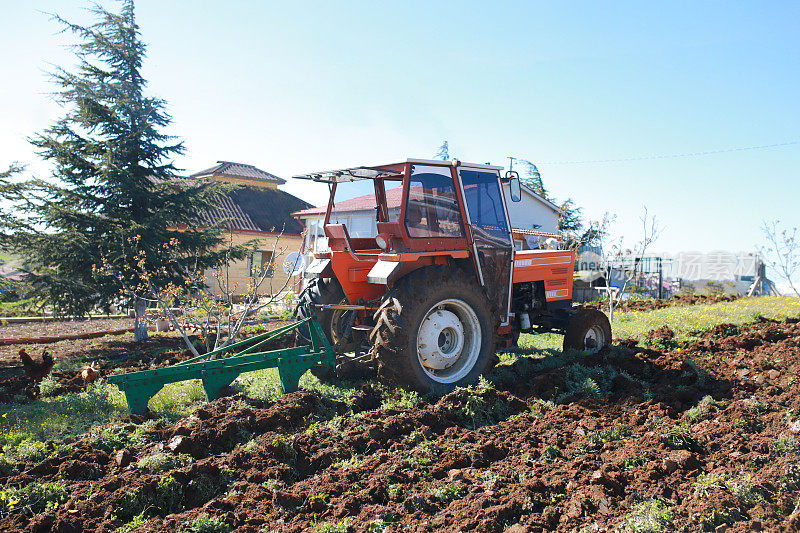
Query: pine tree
x=533 y=179
x=113 y=178
x=8 y=193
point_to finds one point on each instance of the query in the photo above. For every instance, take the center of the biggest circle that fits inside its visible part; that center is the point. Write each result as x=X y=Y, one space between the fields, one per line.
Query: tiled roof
x=258 y=209
x=536 y=233
x=252 y=208
x=239 y=170
x=361 y=203
x=230 y=214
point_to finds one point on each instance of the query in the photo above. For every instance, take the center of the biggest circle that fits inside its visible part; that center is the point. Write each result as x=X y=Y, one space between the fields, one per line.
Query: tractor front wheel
x=333 y=321
x=434 y=331
x=588 y=330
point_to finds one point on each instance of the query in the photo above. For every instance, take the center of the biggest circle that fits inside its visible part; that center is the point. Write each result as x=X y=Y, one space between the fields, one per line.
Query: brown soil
x=675 y=301
x=61 y=327
x=110 y=354
x=532 y=468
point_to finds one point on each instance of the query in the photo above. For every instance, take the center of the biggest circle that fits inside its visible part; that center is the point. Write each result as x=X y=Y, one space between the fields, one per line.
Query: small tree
x=575 y=233
x=187 y=302
x=443 y=152
x=111 y=168
x=629 y=260
x=782 y=252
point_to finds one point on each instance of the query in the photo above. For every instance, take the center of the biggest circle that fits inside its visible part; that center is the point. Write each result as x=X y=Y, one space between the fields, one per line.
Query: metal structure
x=217 y=373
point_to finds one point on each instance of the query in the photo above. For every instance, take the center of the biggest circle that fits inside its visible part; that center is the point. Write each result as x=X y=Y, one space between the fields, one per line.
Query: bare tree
x=193 y=306
x=782 y=252
x=629 y=260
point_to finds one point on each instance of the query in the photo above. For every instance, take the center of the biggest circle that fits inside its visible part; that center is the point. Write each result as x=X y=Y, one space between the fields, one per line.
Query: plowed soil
x=654 y=303
x=485 y=459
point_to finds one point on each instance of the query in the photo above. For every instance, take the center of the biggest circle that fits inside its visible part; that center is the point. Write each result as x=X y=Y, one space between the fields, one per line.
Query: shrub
x=31 y=450
x=163 y=462
x=786 y=445
x=48 y=386
x=167 y=498
x=204 y=523
x=708 y=482
x=489 y=479
x=740 y=486
x=679 y=438
x=406 y=400
x=424 y=454
x=448 y=492
x=704 y=410
x=284 y=449
x=594 y=441
x=759 y=407
x=333 y=527
x=721 y=516
x=352 y=462
x=209 y=486
x=138 y=521
x=33 y=498
x=791 y=481
x=479 y=406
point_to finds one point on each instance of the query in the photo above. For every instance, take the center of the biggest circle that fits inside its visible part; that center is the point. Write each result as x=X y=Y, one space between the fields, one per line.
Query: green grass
x=65 y=415
x=684 y=320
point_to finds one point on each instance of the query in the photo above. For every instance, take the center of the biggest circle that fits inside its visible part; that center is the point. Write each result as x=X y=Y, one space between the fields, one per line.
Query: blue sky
x=298 y=86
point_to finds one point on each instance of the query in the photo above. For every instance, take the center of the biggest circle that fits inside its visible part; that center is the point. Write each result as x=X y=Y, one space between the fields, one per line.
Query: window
x=432 y=208
x=485 y=202
x=260 y=263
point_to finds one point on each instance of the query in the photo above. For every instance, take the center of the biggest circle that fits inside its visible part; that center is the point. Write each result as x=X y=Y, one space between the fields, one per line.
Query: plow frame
x=216 y=374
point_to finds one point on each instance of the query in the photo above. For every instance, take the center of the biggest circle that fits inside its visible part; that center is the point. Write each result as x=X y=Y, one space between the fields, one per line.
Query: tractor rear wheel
x=588 y=330
x=434 y=331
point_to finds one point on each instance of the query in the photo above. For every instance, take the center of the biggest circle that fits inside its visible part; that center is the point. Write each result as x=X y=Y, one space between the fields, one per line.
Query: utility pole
x=511 y=163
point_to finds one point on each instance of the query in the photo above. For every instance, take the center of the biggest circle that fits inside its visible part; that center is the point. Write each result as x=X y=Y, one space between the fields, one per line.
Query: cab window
x=432 y=207
x=485 y=202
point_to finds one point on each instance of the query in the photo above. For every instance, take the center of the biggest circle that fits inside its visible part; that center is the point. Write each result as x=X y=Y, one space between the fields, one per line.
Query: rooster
x=36 y=371
x=90 y=374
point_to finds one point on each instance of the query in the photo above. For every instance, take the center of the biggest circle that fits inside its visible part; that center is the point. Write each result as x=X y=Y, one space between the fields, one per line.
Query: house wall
x=530 y=211
x=239 y=273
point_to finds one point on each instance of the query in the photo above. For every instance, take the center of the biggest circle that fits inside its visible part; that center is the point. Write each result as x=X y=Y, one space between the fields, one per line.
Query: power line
x=671 y=156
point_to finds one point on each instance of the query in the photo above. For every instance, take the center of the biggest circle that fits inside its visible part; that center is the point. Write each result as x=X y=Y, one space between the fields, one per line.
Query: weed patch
x=704 y=410
x=206 y=524
x=596 y=440
x=649 y=516
x=448 y=492
x=33 y=498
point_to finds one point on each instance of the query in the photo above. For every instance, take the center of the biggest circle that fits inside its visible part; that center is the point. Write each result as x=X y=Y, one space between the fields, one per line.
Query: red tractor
x=441 y=288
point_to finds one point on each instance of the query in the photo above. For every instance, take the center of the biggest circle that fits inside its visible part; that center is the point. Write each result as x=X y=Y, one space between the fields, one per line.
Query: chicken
x=36 y=371
x=90 y=374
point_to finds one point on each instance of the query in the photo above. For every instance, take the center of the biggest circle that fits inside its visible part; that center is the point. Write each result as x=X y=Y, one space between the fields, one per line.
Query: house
x=533 y=219
x=255 y=211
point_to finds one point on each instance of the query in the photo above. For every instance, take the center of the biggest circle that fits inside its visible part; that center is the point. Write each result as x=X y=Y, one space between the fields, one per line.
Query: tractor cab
x=447 y=212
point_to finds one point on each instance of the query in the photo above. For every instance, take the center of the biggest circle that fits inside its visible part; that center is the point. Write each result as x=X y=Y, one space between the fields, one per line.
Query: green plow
x=216 y=374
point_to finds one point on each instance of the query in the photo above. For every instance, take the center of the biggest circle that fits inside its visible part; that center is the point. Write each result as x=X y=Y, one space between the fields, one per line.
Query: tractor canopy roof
x=392 y=171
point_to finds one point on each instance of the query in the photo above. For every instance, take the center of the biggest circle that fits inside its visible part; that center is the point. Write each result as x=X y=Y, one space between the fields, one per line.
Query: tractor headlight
x=383 y=240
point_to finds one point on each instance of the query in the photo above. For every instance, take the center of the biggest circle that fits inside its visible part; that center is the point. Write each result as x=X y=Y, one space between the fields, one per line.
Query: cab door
x=493 y=246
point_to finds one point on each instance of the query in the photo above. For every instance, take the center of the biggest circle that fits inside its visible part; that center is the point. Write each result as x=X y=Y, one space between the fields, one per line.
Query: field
x=691 y=421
